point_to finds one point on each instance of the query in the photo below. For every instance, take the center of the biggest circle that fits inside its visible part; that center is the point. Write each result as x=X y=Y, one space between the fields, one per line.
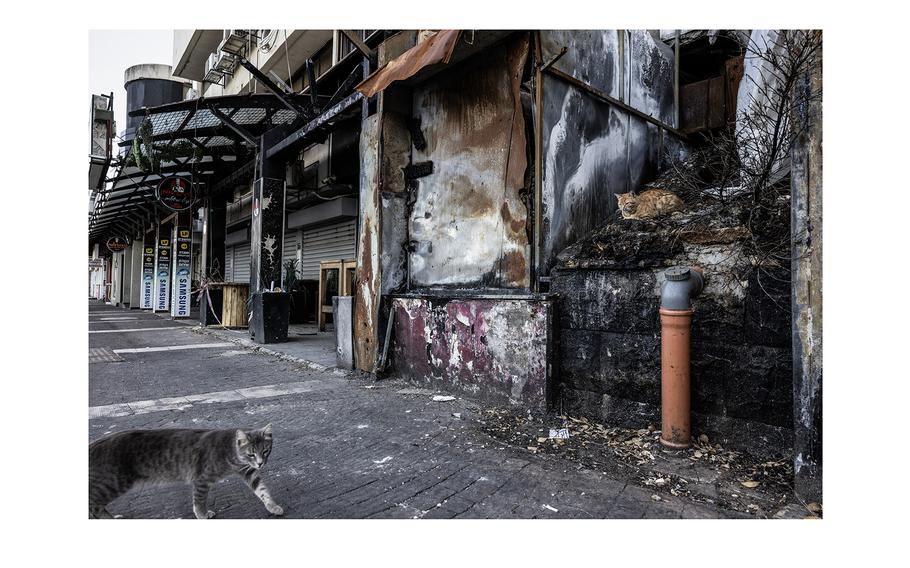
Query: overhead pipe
x=682 y=284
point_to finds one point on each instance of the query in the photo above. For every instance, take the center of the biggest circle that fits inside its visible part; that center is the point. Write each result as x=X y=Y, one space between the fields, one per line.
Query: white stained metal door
x=334 y=242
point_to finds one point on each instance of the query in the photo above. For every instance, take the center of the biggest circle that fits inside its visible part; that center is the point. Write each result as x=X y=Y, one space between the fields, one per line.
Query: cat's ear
x=242 y=440
x=267 y=431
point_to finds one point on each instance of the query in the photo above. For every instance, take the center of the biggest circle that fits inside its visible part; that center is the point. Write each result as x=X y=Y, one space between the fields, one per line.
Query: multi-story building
x=469 y=178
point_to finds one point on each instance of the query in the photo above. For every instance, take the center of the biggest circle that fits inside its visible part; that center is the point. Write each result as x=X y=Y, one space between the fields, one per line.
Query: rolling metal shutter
x=237 y=263
x=242 y=263
x=228 y=264
x=334 y=242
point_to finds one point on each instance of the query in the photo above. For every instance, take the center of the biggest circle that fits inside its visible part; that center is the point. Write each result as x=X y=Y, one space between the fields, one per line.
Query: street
x=344 y=446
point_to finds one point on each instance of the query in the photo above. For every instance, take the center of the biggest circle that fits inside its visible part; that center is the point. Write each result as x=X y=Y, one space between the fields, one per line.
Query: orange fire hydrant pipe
x=675 y=382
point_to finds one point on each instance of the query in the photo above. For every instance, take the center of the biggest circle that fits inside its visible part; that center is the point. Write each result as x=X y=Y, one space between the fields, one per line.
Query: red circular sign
x=116 y=244
x=175 y=193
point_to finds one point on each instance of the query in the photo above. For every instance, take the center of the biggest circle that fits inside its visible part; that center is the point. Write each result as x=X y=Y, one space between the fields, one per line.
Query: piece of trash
x=562 y=433
x=383 y=460
x=703 y=439
x=814 y=507
x=750 y=484
x=655 y=497
x=549 y=508
x=441 y=398
x=370 y=387
x=457 y=415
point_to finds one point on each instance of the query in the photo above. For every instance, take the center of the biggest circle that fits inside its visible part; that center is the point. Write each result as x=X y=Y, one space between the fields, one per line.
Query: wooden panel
x=233 y=312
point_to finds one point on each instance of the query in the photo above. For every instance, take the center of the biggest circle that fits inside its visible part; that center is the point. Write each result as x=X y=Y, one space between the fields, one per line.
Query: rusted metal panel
x=437 y=49
x=491 y=349
x=366 y=296
x=468 y=224
x=702 y=105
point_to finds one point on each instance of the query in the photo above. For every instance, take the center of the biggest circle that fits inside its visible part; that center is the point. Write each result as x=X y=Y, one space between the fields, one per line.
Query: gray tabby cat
x=130 y=459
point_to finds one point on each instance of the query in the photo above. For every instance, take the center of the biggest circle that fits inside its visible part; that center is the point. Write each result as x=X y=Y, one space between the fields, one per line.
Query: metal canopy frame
x=227 y=130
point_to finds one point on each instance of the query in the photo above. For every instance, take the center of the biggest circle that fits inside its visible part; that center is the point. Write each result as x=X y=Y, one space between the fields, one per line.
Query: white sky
x=112 y=51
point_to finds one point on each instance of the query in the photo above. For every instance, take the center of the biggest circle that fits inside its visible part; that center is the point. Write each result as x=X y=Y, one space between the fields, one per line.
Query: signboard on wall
x=148 y=274
x=183 y=259
x=116 y=244
x=175 y=193
x=163 y=272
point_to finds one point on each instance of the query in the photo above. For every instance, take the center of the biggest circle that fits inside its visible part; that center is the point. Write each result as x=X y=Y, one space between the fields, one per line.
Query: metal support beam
x=354 y=37
x=311 y=82
x=322 y=119
x=270 y=85
x=242 y=132
x=613 y=101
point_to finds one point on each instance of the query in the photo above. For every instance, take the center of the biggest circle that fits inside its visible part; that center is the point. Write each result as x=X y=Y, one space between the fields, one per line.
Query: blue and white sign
x=148 y=275
x=183 y=260
x=163 y=275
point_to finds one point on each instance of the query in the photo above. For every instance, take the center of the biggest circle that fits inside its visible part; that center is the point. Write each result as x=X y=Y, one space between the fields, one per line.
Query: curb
x=253 y=346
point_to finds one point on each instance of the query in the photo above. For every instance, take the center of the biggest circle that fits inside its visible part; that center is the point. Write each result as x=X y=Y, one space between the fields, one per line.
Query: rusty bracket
x=555 y=58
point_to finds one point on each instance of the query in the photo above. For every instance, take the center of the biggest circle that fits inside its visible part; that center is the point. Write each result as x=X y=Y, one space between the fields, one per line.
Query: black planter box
x=269 y=321
x=205 y=312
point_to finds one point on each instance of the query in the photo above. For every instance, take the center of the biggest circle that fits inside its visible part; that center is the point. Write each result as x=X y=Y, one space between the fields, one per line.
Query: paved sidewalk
x=345 y=446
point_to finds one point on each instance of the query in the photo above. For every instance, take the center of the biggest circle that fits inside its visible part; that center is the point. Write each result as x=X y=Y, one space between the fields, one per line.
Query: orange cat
x=648 y=204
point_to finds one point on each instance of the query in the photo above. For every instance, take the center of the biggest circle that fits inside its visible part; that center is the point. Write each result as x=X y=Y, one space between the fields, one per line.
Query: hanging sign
x=175 y=193
x=162 y=275
x=182 y=272
x=116 y=244
x=148 y=276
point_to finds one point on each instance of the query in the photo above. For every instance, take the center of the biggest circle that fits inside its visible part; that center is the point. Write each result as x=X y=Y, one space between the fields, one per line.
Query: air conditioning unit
x=218 y=65
x=235 y=41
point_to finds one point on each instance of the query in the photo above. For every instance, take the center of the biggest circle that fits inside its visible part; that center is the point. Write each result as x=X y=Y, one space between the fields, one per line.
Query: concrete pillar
x=806 y=304
x=213 y=230
x=136 y=272
x=127 y=281
x=366 y=294
x=267 y=241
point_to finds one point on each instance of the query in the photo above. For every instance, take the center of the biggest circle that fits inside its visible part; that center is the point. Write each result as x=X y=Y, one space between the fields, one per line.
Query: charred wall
x=609 y=329
x=468 y=224
x=592 y=149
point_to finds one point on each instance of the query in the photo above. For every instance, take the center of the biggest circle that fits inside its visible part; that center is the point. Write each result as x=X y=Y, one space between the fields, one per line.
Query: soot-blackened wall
x=609 y=330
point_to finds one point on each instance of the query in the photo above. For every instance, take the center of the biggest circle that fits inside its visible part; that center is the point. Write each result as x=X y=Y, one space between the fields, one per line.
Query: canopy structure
x=213 y=140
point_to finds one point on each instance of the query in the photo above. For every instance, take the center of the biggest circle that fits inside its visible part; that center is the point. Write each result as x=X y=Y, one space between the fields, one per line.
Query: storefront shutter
x=334 y=242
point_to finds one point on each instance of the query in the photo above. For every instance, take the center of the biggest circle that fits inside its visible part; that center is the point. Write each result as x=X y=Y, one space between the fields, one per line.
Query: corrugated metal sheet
x=327 y=243
x=289 y=248
x=237 y=263
x=229 y=264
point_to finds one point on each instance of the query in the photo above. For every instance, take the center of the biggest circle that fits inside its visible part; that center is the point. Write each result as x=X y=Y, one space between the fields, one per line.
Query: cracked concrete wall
x=497 y=350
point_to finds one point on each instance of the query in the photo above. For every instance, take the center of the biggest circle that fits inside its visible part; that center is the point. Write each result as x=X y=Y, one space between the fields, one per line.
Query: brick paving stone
x=346 y=451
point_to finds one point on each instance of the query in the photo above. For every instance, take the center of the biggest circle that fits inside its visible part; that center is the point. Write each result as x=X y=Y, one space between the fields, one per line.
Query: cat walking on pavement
x=122 y=461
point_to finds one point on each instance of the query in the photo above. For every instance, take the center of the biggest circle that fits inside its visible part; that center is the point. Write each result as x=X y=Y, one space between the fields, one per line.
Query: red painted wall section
x=497 y=350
